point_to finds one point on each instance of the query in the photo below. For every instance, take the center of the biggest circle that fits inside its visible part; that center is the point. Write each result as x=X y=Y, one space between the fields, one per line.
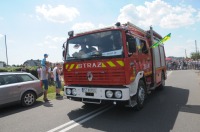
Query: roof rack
x=95 y=30
x=134 y=26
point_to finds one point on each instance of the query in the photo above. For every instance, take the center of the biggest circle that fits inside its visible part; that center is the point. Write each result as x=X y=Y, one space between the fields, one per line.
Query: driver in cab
x=83 y=51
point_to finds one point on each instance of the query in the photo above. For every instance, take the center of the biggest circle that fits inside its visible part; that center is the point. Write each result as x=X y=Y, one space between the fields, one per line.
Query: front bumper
x=99 y=96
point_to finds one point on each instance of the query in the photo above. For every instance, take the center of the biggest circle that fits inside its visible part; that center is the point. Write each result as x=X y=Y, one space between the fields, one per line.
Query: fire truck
x=113 y=65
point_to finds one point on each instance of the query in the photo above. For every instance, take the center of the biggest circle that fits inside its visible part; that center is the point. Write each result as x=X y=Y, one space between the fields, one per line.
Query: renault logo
x=89 y=76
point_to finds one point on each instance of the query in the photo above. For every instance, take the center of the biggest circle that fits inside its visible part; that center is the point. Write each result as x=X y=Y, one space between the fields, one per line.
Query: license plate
x=88 y=90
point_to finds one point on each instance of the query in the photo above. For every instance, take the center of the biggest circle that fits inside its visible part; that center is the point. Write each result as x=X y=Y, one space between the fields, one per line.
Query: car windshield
x=96 y=45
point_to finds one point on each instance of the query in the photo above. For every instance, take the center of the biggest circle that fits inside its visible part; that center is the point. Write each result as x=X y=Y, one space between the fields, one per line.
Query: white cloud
x=101 y=26
x=87 y=26
x=79 y=27
x=159 y=13
x=53 y=46
x=52 y=42
x=198 y=16
x=1 y=18
x=178 y=49
x=60 y=13
x=1 y=35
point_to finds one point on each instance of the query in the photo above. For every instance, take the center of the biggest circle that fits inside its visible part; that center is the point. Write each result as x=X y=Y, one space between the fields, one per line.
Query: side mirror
x=64 y=53
x=64 y=44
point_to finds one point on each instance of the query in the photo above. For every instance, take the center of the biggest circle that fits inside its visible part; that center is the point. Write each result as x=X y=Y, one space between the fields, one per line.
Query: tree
x=195 y=55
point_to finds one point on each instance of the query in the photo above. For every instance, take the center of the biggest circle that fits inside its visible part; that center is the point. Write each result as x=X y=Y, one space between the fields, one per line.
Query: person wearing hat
x=44 y=76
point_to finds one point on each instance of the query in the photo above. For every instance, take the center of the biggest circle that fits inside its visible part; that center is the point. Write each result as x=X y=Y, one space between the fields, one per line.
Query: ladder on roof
x=134 y=26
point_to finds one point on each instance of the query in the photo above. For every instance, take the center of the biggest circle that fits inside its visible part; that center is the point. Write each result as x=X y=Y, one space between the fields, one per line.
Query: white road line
x=77 y=119
x=169 y=73
x=86 y=119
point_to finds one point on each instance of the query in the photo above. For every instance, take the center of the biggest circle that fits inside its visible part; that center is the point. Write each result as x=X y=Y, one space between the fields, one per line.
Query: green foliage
x=3 y=70
x=32 y=70
x=195 y=55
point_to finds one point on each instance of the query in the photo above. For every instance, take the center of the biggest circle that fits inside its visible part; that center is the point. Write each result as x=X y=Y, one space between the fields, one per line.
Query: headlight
x=118 y=94
x=74 y=92
x=109 y=94
x=68 y=91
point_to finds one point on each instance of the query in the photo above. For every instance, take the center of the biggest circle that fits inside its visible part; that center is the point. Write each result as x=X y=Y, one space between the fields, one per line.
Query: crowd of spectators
x=183 y=64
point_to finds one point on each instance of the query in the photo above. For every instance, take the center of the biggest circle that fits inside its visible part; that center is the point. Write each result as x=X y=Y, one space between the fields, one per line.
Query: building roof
x=32 y=63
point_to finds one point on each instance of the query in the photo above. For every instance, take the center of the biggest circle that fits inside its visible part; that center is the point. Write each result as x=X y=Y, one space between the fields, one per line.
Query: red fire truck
x=113 y=65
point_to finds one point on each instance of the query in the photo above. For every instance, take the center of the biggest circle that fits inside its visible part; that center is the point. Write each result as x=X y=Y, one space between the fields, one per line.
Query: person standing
x=44 y=76
x=49 y=75
x=57 y=79
x=38 y=72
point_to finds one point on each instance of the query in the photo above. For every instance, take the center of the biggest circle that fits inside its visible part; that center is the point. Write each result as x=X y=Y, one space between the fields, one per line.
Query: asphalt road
x=176 y=109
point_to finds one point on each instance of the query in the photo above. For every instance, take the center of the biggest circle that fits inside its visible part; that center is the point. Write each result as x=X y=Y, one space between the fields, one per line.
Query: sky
x=36 y=27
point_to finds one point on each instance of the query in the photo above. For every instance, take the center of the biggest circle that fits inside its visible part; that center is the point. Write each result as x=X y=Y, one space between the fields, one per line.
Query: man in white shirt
x=57 y=79
x=44 y=76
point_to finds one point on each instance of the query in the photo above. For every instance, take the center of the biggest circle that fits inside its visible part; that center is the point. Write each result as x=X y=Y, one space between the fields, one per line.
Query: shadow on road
x=195 y=109
x=158 y=115
x=48 y=104
x=83 y=110
x=16 y=108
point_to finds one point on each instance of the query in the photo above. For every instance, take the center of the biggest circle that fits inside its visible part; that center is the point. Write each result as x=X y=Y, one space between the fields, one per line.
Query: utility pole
x=196 y=46
x=6 y=51
x=185 y=54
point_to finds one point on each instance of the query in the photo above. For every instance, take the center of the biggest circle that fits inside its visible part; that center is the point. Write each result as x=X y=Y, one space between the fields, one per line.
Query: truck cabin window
x=141 y=46
x=131 y=44
x=101 y=44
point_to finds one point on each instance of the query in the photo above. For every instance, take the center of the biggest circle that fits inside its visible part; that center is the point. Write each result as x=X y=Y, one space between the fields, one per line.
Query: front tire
x=28 y=98
x=141 y=95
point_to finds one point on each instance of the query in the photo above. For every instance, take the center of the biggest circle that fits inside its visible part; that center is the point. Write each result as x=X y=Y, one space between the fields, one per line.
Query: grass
x=51 y=93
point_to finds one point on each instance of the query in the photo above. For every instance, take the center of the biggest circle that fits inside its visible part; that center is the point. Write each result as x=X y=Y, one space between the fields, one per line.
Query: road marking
x=86 y=119
x=169 y=73
x=79 y=118
x=73 y=123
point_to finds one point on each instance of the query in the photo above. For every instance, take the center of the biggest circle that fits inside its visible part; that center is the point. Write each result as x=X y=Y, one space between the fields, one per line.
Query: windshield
x=102 y=44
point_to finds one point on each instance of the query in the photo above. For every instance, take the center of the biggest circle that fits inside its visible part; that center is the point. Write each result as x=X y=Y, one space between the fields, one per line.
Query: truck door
x=139 y=56
x=132 y=58
x=144 y=56
x=159 y=56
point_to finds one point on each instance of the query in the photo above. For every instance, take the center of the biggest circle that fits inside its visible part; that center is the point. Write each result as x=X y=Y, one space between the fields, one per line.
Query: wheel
x=141 y=95
x=28 y=98
x=162 y=85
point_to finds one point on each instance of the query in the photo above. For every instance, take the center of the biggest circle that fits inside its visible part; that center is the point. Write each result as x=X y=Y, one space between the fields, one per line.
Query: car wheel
x=28 y=98
x=141 y=95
